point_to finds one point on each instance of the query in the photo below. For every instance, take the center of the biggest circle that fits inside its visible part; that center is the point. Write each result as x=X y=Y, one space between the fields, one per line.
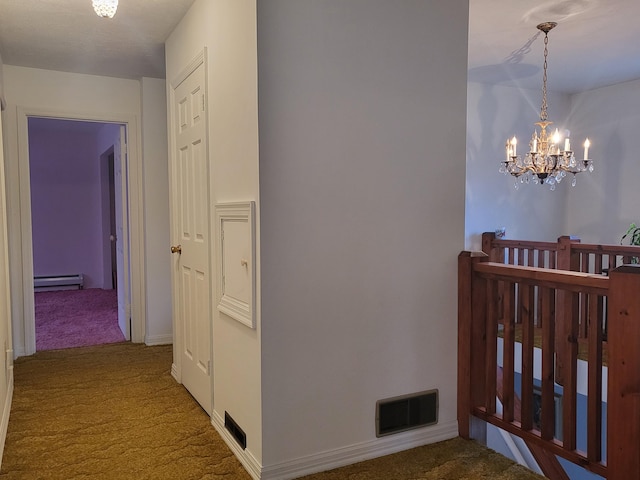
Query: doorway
x=79 y=234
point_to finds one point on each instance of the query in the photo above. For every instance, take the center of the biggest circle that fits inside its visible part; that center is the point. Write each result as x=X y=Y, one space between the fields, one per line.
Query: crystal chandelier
x=550 y=157
x=105 y=8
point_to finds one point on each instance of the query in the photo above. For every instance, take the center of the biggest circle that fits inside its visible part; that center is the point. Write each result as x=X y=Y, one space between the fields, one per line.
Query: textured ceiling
x=595 y=43
x=67 y=35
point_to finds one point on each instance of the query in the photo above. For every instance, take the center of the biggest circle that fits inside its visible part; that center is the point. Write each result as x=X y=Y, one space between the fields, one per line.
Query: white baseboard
x=359 y=452
x=339 y=457
x=159 y=340
x=249 y=462
x=174 y=373
x=4 y=422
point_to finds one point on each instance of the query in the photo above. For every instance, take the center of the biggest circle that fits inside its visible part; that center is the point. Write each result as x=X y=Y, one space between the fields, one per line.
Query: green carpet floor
x=114 y=412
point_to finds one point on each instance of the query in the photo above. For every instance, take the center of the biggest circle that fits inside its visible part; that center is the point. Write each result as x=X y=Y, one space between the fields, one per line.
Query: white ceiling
x=67 y=35
x=595 y=43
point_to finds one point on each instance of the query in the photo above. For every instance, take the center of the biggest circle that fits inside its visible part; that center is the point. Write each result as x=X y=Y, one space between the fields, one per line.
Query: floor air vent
x=406 y=412
x=235 y=430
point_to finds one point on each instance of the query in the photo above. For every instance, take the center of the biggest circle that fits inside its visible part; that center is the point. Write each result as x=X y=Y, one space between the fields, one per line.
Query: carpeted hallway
x=76 y=318
x=115 y=412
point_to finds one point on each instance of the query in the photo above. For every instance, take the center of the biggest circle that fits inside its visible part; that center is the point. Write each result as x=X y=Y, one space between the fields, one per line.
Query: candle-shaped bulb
x=567 y=145
x=587 y=144
x=514 y=142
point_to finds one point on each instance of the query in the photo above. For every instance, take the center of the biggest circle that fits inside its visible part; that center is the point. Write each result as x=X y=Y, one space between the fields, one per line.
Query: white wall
x=2 y=99
x=78 y=96
x=66 y=203
x=6 y=365
x=362 y=167
x=531 y=212
x=608 y=200
x=156 y=200
x=227 y=28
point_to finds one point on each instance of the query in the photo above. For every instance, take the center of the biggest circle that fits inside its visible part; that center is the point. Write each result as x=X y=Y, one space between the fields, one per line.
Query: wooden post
x=471 y=313
x=566 y=341
x=487 y=246
x=623 y=403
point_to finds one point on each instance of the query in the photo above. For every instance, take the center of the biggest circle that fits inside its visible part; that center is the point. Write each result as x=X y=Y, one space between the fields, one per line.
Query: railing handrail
x=607 y=249
x=575 y=246
x=559 y=279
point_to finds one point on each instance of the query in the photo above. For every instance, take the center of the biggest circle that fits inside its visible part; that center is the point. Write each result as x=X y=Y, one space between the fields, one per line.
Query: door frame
x=24 y=277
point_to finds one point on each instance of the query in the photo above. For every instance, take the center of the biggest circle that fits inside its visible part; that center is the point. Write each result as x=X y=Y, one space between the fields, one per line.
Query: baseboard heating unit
x=59 y=281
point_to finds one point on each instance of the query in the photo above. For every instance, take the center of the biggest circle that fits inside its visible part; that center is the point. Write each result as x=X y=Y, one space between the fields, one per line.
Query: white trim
x=175 y=373
x=159 y=340
x=361 y=451
x=198 y=60
x=4 y=423
x=338 y=457
x=236 y=308
x=248 y=461
x=135 y=215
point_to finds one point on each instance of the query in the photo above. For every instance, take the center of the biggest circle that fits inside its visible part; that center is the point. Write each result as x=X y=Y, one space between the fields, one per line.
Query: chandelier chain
x=543 y=109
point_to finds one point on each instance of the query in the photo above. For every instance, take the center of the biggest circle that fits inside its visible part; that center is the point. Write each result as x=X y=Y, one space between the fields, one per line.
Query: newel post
x=566 y=338
x=623 y=394
x=471 y=343
x=487 y=247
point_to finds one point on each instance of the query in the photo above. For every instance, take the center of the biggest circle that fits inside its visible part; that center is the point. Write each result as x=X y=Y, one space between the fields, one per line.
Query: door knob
x=177 y=249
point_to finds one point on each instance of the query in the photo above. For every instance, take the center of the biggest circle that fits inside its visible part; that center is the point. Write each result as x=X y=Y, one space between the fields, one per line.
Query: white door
x=122 y=234
x=190 y=236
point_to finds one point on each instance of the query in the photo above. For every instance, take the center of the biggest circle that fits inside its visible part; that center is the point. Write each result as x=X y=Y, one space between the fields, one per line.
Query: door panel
x=190 y=211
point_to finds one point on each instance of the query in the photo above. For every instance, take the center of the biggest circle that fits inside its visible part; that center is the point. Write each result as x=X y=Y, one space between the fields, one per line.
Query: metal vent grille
x=236 y=432
x=406 y=412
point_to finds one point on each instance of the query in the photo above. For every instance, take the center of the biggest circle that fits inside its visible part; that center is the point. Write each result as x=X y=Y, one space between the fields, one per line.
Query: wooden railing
x=568 y=253
x=491 y=297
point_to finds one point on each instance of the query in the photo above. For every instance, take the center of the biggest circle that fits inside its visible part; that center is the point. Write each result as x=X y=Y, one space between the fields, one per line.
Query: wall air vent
x=235 y=431
x=406 y=412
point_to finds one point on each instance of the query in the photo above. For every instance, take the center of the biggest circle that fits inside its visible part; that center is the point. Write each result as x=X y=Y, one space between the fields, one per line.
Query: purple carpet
x=76 y=318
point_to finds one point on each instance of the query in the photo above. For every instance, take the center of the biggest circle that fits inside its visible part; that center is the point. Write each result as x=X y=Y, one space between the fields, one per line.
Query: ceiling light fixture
x=105 y=8
x=550 y=157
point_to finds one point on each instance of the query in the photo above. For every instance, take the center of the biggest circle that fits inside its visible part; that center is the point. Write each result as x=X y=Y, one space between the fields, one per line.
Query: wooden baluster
x=597 y=263
x=594 y=389
x=583 y=323
x=568 y=259
x=547 y=380
x=528 y=345
x=491 y=359
x=570 y=352
x=623 y=397
x=508 y=353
